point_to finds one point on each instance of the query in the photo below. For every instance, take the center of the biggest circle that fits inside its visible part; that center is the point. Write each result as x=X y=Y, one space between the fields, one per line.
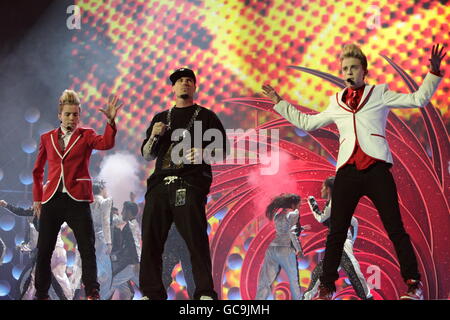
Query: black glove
x=314 y=206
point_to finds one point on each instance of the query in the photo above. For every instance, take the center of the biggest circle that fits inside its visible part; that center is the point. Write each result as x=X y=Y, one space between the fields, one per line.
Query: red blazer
x=73 y=165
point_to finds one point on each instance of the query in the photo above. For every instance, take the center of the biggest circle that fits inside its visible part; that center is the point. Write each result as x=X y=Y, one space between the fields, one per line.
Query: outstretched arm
x=18 y=211
x=422 y=96
x=320 y=216
x=301 y=120
x=107 y=140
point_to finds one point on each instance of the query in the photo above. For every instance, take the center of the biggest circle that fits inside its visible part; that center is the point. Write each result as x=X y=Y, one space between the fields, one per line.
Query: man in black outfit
x=178 y=188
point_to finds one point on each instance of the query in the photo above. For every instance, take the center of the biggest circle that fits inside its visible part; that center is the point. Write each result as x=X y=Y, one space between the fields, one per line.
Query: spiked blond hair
x=68 y=97
x=354 y=51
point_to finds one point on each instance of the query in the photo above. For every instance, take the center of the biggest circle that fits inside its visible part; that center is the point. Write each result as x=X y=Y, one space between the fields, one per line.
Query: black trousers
x=62 y=208
x=190 y=219
x=377 y=183
x=176 y=251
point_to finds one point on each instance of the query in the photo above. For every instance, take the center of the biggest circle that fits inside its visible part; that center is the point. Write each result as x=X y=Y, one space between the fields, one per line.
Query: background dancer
x=284 y=249
x=348 y=260
x=126 y=252
x=101 y=217
x=60 y=282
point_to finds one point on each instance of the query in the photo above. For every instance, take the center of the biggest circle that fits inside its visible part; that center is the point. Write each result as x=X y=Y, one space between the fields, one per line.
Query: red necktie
x=352 y=100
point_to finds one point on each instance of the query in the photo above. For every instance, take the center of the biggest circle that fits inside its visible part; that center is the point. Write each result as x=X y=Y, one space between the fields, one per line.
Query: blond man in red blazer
x=68 y=191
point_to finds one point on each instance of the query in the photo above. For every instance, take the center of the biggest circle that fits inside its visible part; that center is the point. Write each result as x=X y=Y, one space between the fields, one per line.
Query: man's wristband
x=438 y=74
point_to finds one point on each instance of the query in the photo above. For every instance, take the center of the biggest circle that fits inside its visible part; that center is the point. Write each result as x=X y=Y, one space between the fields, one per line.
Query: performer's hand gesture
x=158 y=129
x=194 y=156
x=436 y=58
x=37 y=205
x=111 y=109
x=271 y=93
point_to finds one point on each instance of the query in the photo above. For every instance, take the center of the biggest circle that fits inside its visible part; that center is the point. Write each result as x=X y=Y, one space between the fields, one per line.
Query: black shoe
x=94 y=295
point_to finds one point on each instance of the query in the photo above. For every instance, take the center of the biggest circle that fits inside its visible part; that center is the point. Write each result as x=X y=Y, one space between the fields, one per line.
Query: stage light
x=300 y=132
x=5 y=288
x=303 y=264
x=234 y=294
x=32 y=115
x=26 y=178
x=7 y=222
x=235 y=261
x=8 y=256
x=221 y=213
x=29 y=145
x=17 y=271
x=247 y=243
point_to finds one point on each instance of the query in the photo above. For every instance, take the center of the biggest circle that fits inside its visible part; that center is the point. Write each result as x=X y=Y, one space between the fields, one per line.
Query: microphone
x=349 y=80
x=156 y=137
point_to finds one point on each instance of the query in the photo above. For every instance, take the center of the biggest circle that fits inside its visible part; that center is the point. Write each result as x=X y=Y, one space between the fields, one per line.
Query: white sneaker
x=144 y=298
x=206 y=298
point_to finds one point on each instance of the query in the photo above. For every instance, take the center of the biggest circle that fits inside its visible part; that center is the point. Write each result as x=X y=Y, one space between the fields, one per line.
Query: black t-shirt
x=196 y=175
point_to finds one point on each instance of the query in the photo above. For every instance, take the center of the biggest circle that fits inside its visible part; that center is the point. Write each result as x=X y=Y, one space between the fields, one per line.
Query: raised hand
x=158 y=129
x=436 y=58
x=37 y=205
x=112 y=107
x=271 y=93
